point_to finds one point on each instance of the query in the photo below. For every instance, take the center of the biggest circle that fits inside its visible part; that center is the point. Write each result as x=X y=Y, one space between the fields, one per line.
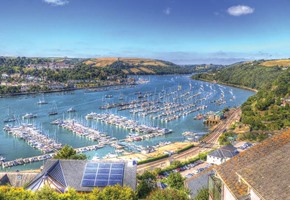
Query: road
x=210 y=141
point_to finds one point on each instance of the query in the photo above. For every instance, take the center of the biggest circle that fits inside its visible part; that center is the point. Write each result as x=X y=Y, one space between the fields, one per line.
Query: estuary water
x=215 y=97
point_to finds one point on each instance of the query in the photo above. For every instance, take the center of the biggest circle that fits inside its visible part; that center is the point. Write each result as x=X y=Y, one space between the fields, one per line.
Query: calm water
x=84 y=103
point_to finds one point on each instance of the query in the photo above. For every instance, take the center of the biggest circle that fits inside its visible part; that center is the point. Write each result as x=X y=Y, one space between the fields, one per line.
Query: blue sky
x=181 y=31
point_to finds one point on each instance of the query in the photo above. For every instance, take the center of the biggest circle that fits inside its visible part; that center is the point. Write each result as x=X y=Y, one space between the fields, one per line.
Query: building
x=16 y=179
x=221 y=155
x=260 y=173
x=83 y=175
x=198 y=182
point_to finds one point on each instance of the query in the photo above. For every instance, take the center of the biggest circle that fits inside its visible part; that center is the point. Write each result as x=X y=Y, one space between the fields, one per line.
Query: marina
x=34 y=137
x=162 y=102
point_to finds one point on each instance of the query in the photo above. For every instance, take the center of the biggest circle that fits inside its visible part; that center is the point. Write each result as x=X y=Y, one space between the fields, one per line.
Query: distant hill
x=265 y=110
x=248 y=74
x=142 y=66
x=135 y=65
x=279 y=63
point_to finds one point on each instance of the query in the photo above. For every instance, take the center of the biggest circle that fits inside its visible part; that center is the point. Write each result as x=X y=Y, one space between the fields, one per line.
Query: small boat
x=108 y=96
x=70 y=110
x=41 y=102
x=53 y=111
x=95 y=158
x=56 y=122
x=10 y=119
x=2 y=158
x=29 y=116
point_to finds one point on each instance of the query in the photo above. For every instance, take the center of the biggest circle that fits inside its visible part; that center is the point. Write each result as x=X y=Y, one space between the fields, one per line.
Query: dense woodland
x=262 y=111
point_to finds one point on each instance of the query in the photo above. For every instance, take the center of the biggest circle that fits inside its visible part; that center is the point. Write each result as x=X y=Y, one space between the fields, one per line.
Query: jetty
x=34 y=137
x=84 y=131
x=123 y=122
x=23 y=161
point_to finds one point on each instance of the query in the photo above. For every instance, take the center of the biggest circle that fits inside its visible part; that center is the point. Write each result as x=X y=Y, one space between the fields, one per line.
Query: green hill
x=142 y=66
x=263 y=111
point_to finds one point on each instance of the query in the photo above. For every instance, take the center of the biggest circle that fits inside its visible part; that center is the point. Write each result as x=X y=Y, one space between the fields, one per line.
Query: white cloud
x=56 y=2
x=240 y=10
x=167 y=11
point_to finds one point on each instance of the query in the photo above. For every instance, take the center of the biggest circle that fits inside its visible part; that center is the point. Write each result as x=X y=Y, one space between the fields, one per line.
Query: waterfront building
x=259 y=173
x=84 y=176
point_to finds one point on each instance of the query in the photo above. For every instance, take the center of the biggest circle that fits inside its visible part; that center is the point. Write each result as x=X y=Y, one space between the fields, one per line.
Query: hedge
x=153 y=159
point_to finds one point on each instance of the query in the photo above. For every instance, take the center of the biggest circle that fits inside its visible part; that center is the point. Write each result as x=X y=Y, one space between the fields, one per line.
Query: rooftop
x=264 y=167
x=69 y=173
x=227 y=151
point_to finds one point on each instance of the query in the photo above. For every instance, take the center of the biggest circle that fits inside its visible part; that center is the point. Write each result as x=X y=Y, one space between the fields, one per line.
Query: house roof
x=198 y=181
x=224 y=152
x=16 y=179
x=264 y=167
x=69 y=173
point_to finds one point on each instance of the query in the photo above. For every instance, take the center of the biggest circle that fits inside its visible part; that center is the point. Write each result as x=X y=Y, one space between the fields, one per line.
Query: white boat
x=95 y=158
x=2 y=158
x=40 y=102
x=71 y=110
x=29 y=116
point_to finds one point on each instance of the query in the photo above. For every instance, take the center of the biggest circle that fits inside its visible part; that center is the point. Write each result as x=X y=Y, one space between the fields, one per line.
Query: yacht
x=70 y=110
x=29 y=116
x=42 y=101
x=2 y=158
x=53 y=111
x=10 y=119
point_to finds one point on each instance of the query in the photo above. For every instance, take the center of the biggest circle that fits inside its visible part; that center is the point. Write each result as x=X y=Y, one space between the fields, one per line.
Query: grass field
x=144 y=69
x=103 y=62
x=134 y=70
x=281 y=63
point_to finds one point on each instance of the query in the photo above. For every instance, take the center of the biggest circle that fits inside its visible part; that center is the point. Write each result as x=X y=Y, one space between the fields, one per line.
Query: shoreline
x=62 y=90
x=229 y=84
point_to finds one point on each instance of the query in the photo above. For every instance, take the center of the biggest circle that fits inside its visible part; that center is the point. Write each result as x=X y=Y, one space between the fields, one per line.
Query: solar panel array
x=103 y=174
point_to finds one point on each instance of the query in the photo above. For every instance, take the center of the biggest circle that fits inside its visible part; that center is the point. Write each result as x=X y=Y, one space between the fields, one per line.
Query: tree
x=167 y=194
x=146 y=184
x=117 y=192
x=46 y=193
x=175 y=180
x=202 y=194
x=67 y=152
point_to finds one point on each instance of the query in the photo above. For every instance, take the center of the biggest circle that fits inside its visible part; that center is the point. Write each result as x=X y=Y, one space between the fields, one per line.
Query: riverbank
x=65 y=90
x=228 y=84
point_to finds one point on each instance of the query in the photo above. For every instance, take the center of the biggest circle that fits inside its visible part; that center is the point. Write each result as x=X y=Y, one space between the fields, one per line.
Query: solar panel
x=104 y=171
x=105 y=165
x=101 y=183
x=117 y=171
x=103 y=174
x=89 y=176
x=115 y=183
x=118 y=165
x=87 y=183
x=92 y=165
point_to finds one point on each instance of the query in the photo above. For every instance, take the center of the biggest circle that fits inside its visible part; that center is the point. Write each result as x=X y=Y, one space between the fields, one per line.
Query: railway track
x=209 y=142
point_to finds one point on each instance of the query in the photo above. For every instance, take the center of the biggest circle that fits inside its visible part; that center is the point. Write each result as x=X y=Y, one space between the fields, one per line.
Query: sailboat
x=42 y=101
x=10 y=118
x=53 y=111
x=71 y=109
